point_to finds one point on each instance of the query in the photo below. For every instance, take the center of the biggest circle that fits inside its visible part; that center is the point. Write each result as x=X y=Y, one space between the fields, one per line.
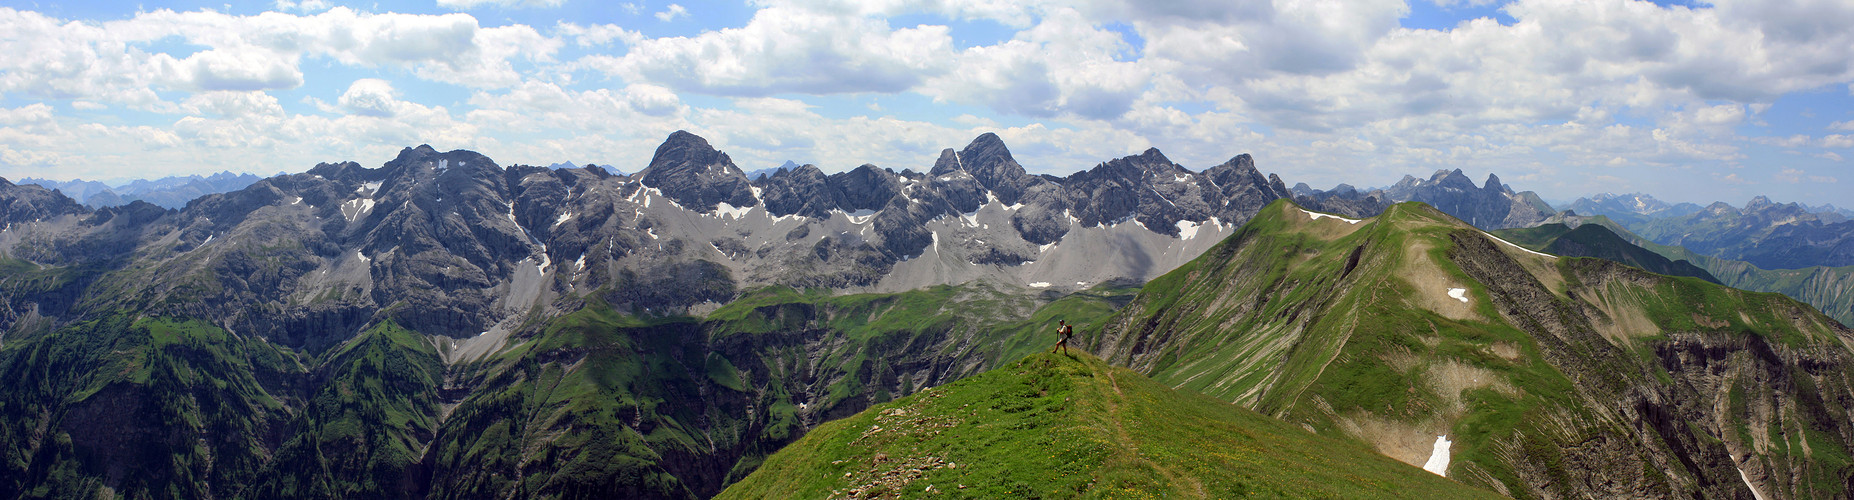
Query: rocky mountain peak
x=696 y=175
x=993 y=167
x=1493 y=184
x=1452 y=179
x=1758 y=203
x=1721 y=208
x=948 y=162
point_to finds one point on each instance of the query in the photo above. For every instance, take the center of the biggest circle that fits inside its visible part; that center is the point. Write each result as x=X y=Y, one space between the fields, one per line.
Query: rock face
x=1553 y=377
x=31 y=203
x=695 y=175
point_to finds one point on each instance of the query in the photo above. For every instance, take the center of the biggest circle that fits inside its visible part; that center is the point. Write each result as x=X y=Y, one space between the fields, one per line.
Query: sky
x=1685 y=100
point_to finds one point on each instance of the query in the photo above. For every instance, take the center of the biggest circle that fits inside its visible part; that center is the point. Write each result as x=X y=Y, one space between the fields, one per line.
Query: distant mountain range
x=567 y=164
x=168 y=192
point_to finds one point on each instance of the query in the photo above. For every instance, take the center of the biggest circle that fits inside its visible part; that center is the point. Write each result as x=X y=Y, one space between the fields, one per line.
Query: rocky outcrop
x=32 y=203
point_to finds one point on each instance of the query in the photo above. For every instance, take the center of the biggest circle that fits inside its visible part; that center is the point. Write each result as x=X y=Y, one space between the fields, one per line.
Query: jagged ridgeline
x=445 y=327
x=1550 y=376
x=1064 y=426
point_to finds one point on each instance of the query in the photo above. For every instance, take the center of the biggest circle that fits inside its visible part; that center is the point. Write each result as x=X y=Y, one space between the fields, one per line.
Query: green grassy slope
x=602 y=403
x=1553 y=376
x=1062 y=426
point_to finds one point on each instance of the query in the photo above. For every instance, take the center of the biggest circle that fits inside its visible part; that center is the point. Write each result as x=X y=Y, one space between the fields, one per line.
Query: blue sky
x=1688 y=101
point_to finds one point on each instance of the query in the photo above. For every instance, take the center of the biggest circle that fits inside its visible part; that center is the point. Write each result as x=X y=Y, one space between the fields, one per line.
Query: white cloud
x=1063 y=65
x=233 y=104
x=1829 y=155
x=370 y=97
x=303 y=6
x=514 y=4
x=674 y=11
x=242 y=68
x=1844 y=125
x=597 y=34
x=787 y=50
x=114 y=62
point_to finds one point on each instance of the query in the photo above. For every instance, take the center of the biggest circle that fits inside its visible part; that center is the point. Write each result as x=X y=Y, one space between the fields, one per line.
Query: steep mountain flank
x=1594 y=240
x=1055 y=425
x=599 y=402
x=1551 y=376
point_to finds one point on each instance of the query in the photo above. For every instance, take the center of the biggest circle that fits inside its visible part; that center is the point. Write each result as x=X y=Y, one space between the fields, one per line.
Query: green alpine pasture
x=1070 y=426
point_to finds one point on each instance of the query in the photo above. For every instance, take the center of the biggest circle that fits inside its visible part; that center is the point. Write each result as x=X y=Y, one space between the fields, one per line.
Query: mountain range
x=445 y=327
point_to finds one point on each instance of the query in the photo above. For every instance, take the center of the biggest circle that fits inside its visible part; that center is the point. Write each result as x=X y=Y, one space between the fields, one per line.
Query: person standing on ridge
x=1065 y=331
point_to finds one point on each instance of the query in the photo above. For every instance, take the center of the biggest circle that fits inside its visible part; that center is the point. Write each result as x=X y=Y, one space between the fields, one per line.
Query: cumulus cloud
x=787 y=50
x=113 y=61
x=674 y=11
x=1063 y=65
x=370 y=97
x=471 y=4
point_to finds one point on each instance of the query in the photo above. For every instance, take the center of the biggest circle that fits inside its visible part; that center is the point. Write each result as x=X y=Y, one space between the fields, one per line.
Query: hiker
x=1066 y=331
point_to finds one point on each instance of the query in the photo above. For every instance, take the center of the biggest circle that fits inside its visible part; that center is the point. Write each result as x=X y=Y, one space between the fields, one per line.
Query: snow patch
x=1046 y=247
x=203 y=243
x=442 y=164
x=1754 y=491
x=369 y=187
x=756 y=192
x=1460 y=294
x=297 y=201
x=355 y=208
x=558 y=220
x=362 y=256
x=1040 y=284
x=1317 y=216
x=1438 y=459
x=1162 y=197
x=723 y=210
x=861 y=216
x=580 y=263
x=1187 y=229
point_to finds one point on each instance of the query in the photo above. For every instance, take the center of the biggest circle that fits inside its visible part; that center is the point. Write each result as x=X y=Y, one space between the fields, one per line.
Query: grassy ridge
x=1411 y=324
x=1058 y=426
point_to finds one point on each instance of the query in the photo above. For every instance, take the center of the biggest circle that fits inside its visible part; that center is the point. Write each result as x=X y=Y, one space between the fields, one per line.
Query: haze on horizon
x=1693 y=102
